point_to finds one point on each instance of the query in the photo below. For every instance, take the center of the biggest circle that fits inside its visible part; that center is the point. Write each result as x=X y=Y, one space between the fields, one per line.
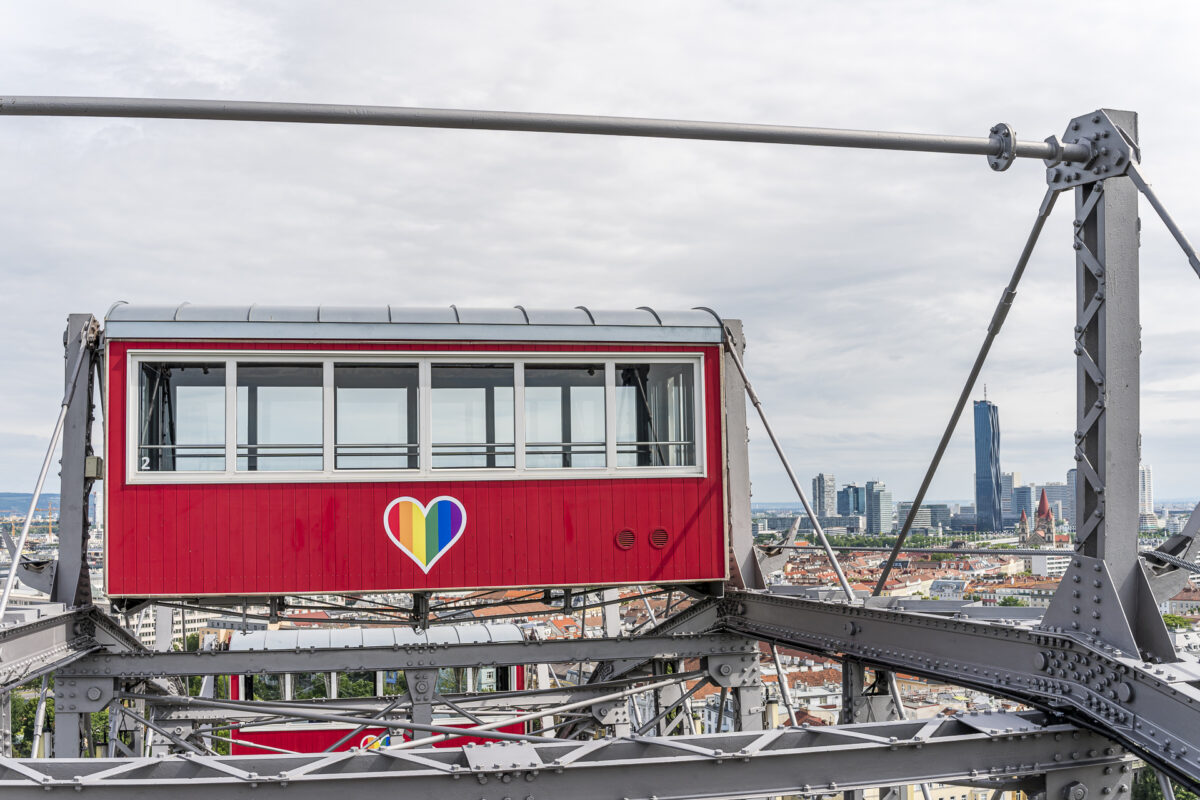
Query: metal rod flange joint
x=1005 y=139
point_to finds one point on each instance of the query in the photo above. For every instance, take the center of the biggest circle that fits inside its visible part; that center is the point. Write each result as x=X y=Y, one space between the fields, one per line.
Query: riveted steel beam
x=34 y=640
x=1153 y=709
x=422 y=656
x=72 y=582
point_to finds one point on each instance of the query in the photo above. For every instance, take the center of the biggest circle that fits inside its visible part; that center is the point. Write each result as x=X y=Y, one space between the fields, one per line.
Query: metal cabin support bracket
x=1092 y=782
x=71 y=581
x=85 y=695
x=422 y=688
x=863 y=702
x=744 y=572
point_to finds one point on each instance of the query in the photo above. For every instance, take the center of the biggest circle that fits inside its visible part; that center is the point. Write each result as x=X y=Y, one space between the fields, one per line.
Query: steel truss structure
x=1006 y=751
x=1098 y=666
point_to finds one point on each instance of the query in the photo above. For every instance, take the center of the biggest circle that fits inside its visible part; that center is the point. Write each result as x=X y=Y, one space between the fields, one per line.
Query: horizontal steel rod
x=316 y=716
x=490 y=728
x=966 y=551
x=389 y=708
x=319 y=113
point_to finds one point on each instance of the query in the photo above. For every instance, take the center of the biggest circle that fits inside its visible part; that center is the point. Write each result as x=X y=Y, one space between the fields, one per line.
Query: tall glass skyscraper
x=1145 y=489
x=825 y=495
x=852 y=499
x=879 y=507
x=989 y=515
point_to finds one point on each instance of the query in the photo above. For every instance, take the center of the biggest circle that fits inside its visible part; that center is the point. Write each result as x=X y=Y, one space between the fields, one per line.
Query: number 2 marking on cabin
x=425 y=533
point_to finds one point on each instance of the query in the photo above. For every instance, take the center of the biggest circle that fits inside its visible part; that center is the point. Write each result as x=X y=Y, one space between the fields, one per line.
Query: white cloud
x=865 y=279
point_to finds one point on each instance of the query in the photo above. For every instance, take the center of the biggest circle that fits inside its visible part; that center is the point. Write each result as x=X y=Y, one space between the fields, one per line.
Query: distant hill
x=18 y=503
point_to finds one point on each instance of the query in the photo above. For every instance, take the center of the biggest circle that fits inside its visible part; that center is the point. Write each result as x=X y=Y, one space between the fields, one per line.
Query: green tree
x=1146 y=787
x=1177 y=622
x=1012 y=601
x=24 y=708
x=24 y=711
x=356 y=684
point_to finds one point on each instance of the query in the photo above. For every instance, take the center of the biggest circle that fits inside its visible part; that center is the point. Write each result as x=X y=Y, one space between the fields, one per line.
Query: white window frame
x=425 y=472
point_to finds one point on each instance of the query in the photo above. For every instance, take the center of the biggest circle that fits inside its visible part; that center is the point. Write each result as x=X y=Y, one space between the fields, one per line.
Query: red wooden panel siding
x=324 y=537
x=309 y=738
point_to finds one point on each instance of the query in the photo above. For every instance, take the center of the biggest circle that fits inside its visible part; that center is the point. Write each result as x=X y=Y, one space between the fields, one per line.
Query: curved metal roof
x=520 y=323
x=401 y=636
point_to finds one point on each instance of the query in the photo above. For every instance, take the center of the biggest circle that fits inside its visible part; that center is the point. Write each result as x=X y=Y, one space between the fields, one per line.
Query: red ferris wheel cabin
x=280 y=450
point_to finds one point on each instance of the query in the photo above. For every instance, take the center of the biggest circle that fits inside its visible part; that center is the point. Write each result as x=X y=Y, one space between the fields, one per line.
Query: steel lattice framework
x=1098 y=666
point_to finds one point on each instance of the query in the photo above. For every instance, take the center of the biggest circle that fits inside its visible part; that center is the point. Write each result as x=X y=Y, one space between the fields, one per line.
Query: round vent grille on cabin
x=625 y=539
x=658 y=538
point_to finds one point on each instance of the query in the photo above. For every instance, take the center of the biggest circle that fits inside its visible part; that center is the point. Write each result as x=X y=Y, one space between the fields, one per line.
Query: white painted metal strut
x=319 y=113
x=19 y=546
x=787 y=467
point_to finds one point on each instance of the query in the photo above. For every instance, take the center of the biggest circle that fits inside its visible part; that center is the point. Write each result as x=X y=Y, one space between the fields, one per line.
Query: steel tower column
x=1105 y=594
x=1108 y=355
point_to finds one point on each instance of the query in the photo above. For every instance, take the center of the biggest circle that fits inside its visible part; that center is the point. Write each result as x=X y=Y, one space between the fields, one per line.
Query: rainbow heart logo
x=425 y=533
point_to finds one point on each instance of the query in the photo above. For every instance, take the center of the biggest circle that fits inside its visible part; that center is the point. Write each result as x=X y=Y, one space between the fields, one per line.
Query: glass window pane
x=452 y=680
x=356 y=684
x=310 y=685
x=655 y=415
x=375 y=416
x=564 y=416
x=181 y=417
x=394 y=682
x=472 y=408
x=264 y=687
x=279 y=417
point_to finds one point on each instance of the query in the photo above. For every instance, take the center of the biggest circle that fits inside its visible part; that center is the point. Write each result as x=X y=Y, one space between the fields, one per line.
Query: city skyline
x=1058 y=492
x=1004 y=494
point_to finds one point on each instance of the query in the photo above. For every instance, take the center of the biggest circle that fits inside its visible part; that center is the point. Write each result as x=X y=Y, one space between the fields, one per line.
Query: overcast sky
x=865 y=279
